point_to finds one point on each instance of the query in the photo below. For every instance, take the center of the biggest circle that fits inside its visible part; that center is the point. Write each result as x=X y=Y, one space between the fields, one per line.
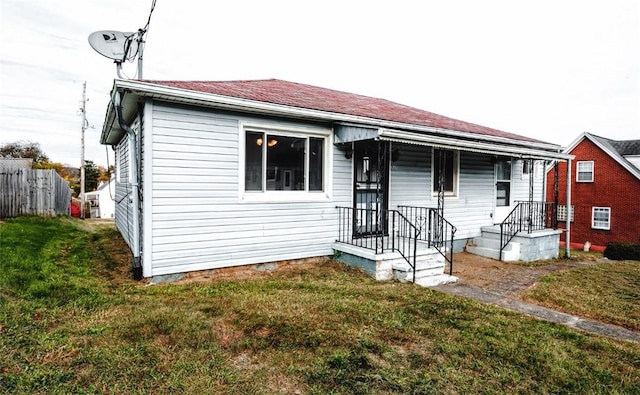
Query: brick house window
x=584 y=171
x=601 y=218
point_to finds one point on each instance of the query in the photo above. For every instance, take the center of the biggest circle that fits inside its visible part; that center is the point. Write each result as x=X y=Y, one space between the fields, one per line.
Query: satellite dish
x=112 y=44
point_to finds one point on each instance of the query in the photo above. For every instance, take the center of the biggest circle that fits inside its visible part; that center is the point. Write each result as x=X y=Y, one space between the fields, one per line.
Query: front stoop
x=430 y=264
x=527 y=247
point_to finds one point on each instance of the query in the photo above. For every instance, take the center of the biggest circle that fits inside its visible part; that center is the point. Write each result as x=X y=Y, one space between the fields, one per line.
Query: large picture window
x=450 y=160
x=280 y=161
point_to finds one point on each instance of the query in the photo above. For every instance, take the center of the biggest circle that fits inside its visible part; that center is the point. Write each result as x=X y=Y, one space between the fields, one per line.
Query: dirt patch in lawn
x=256 y=271
x=509 y=278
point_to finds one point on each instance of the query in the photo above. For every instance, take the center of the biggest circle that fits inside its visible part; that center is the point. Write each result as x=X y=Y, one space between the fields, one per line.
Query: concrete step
x=484 y=251
x=426 y=266
x=485 y=243
x=490 y=248
x=433 y=281
x=404 y=276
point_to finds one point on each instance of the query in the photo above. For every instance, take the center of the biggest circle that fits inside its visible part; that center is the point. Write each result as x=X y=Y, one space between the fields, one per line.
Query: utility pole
x=140 y=40
x=83 y=128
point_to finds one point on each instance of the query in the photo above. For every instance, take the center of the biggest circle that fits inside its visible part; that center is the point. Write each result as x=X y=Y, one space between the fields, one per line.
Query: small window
x=584 y=172
x=530 y=168
x=450 y=159
x=123 y=161
x=527 y=167
x=601 y=218
x=503 y=183
x=561 y=215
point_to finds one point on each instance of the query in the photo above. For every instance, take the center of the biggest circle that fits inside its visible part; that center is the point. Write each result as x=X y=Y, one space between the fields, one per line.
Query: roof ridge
x=608 y=139
x=301 y=95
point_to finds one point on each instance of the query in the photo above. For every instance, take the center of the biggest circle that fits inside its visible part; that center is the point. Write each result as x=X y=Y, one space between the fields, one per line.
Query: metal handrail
x=365 y=228
x=529 y=216
x=434 y=229
x=408 y=238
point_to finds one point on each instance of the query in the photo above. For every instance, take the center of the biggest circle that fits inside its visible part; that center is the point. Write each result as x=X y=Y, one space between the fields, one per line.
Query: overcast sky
x=544 y=69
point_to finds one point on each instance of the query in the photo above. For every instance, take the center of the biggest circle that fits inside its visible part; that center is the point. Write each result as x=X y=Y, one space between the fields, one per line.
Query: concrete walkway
x=540 y=312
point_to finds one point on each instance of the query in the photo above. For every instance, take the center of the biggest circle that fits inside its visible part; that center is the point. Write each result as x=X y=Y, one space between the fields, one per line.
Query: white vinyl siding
x=520 y=182
x=199 y=222
x=410 y=185
x=601 y=218
x=584 y=171
x=124 y=189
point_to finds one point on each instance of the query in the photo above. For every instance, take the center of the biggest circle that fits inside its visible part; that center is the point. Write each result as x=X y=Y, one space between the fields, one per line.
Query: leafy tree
x=65 y=172
x=91 y=174
x=105 y=174
x=24 y=149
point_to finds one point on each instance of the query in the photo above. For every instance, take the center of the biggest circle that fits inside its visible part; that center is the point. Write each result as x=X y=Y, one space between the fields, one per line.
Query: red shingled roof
x=316 y=98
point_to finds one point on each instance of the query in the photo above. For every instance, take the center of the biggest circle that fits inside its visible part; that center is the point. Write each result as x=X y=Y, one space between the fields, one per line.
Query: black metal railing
x=526 y=217
x=380 y=231
x=434 y=229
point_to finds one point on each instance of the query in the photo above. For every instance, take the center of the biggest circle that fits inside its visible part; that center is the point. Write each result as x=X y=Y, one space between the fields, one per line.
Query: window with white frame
x=584 y=171
x=123 y=161
x=284 y=160
x=503 y=182
x=530 y=168
x=449 y=162
x=601 y=218
x=527 y=167
x=561 y=214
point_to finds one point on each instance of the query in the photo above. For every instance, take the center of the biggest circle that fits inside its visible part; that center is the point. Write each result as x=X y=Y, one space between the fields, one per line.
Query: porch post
x=439 y=229
x=531 y=176
x=531 y=162
x=555 y=194
x=567 y=237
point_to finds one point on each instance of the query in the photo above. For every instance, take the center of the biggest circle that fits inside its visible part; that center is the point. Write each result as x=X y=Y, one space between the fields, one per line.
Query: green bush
x=622 y=251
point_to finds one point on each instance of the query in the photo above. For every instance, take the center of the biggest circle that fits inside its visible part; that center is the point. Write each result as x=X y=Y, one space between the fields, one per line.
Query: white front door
x=502 y=203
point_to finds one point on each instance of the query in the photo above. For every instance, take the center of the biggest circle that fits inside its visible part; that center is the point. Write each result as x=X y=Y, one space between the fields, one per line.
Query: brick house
x=605 y=190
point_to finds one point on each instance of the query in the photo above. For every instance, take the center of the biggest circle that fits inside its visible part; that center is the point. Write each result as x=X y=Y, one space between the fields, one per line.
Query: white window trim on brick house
x=583 y=168
x=601 y=223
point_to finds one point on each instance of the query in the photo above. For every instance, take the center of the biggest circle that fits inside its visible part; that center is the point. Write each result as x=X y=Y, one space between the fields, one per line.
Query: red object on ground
x=75 y=210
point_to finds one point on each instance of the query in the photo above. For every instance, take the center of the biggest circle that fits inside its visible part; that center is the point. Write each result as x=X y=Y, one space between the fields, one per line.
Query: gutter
x=135 y=196
x=473 y=146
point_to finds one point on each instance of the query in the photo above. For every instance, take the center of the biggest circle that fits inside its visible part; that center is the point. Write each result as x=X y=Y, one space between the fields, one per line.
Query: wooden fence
x=33 y=192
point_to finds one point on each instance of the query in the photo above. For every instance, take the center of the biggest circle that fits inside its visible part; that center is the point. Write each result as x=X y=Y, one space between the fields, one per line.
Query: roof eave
x=613 y=154
x=186 y=96
x=472 y=146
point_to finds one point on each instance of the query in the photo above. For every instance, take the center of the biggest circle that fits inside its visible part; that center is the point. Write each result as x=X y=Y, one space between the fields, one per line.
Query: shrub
x=622 y=251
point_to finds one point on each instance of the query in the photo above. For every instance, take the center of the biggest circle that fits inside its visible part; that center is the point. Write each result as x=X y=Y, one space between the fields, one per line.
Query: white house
x=101 y=201
x=220 y=174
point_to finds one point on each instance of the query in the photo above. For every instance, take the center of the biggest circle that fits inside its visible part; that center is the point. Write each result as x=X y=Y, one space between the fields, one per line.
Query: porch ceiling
x=514 y=150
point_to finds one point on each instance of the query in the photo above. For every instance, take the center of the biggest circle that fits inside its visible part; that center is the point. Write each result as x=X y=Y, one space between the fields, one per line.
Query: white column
x=567 y=236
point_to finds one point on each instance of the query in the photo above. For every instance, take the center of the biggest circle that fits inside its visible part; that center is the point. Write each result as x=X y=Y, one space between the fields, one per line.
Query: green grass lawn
x=608 y=292
x=70 y=323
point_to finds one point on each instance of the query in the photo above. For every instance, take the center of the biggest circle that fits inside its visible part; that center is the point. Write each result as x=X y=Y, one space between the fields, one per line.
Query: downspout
x=567 y=236
x=135 y=197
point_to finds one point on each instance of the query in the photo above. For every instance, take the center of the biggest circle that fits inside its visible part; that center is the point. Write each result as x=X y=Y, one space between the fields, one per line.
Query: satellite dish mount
x=120 y=47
